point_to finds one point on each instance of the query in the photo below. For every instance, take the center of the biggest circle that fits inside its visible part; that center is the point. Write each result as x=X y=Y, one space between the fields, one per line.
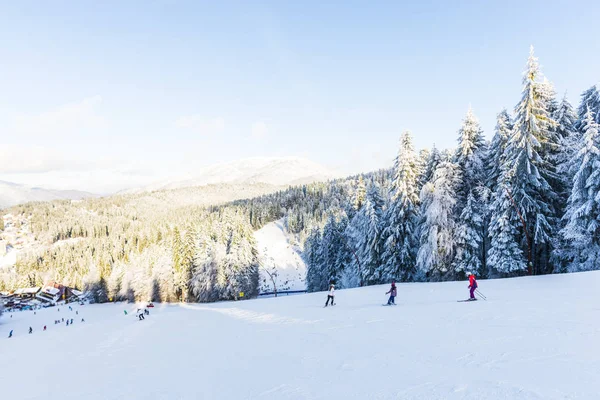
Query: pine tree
x=496 y=153
x=437 y=227
x=469 y=239
x=566 y=120
x=371 y=242
x=435 y=158
x=421 y=162
x=529 y=173
x=469 y=156
x=582 y=218
x=360 y=193
x=589 y=99
x=402 y=215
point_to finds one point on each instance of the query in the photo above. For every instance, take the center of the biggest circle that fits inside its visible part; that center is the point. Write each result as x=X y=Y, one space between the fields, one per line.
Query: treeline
x=526 y=202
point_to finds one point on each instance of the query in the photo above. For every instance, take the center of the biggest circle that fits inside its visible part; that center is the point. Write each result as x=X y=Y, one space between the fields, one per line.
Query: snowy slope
x=268 y=170
x=535 y=338
x=12 y=194
x=280 y=258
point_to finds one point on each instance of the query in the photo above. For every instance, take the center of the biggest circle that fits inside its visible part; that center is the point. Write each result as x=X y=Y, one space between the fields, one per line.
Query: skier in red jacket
x=472 y=286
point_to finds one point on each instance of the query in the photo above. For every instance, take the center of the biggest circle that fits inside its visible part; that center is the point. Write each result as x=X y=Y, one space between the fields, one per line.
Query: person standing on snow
x=392 y=293
x=472 y=286
x=10 y=334
x=330 y=295
x=30 y=330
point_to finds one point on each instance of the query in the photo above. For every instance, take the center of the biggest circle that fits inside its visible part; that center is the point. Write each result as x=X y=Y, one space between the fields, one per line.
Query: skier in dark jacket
x=472 y=286
x=10 y=334
x=30 y=330
x=392 y=292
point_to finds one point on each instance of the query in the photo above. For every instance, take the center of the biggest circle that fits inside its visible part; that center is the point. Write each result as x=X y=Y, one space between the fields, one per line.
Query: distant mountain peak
x=12 y=194
x=279 y=171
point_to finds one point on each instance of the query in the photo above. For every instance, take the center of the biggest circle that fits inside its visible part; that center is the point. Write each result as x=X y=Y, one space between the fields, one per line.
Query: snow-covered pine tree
x=469 y=156
x=589 y=99
x=566 y=120
x=437 y=228
x=435 y=158
x=528 y=172
x=401 y=216
x=496 y=152
x=371 y=242
x=582 y=217
x=468 y=239
x=315 y=268
x=421 y=162
x=505 y=256
x=360 y=193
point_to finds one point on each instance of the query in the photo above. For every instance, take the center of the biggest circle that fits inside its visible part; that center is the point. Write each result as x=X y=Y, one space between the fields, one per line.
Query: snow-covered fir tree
x=437 y=228
x=496 y=153
x=360 y=193
x=469 y=239
x=402 y=215
x=371 y=241
x=582 y=217
x=590 y=99
x=528 y=172
x=469 y=156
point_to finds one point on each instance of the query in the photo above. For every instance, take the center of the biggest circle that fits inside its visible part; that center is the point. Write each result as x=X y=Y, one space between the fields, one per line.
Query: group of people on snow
x=56 y=322
x=393 y=292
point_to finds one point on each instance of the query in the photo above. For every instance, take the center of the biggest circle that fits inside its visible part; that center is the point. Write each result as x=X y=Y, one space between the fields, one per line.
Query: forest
x=526 y=202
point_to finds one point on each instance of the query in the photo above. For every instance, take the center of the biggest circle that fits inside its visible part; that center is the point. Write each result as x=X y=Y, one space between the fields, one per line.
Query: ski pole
x=480 y=294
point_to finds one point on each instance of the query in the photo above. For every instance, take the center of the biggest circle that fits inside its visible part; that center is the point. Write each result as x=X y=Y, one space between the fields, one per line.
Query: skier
x=472 y=286
x=125 y=311
x=392 y=293
x=146 y=312
x=71 y=321
x=30 y=330
x=10 y=334
x=67 y=322
x=330 y=295
x=82 y=320
x=44 y=327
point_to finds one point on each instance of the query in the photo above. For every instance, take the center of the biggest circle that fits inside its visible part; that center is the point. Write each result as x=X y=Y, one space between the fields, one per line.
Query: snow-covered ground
x=278 y=255
x=535 y=338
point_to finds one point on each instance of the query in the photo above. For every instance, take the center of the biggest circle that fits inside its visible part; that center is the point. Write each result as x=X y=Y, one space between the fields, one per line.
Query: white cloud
x=259 y=130
x=200 y=124
x=68 y=119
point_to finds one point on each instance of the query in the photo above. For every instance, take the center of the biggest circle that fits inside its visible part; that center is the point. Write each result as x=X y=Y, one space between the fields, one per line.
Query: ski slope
x=535 y=338
x=278 y=255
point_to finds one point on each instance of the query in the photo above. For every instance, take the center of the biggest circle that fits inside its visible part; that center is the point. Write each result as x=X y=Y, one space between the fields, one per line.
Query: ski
x=462 y=301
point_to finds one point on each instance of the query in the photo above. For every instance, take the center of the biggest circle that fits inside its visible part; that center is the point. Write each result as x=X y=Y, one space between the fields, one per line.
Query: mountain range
x=266 y=170
x=13 y=193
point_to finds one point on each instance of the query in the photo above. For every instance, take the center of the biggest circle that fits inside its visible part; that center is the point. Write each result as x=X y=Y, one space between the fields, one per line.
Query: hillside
x=535 y=338
x=12 y=194
x=265 y=170
x=280 y=256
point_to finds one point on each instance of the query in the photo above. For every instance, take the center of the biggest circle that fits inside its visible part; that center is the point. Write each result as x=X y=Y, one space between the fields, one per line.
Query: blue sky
x=105 y=95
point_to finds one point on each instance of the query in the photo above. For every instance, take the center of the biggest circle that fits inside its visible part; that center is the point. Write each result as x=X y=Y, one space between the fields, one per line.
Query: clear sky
x=100 y=95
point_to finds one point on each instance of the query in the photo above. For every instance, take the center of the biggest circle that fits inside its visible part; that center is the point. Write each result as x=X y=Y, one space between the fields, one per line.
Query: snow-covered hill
x=280 y=257
x=12 y=194
x=534 y=338
x=267 y=170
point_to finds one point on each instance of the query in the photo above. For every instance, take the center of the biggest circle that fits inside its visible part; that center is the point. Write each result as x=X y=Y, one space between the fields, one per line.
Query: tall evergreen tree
x=371 y=241
x=582 y=218
x=589 y=99
x=401 y=215
x=529 y=173
x=437 y=228
x=469 y=239
x=469 y=156
x=496 y=153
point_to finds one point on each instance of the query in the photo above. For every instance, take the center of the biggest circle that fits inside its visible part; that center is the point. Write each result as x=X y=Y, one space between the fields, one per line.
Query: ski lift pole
x=529 y=264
